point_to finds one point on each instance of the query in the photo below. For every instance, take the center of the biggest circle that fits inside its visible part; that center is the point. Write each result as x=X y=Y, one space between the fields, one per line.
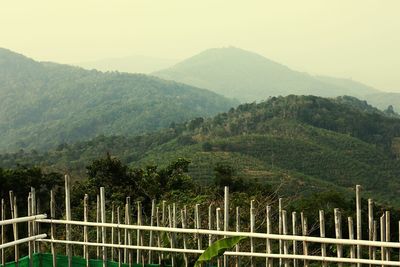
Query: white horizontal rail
x=23 y=219
x=323 y=240
x=230 y=253
x=22 y=240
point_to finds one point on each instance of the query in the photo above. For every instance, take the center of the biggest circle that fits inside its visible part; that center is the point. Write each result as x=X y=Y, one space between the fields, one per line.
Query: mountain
x=248 y=77
x=43 y=104
x=131 y=64
x=295 y=143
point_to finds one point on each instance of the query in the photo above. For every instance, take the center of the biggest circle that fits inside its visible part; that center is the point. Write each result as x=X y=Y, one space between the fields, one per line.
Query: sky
x=358 y=39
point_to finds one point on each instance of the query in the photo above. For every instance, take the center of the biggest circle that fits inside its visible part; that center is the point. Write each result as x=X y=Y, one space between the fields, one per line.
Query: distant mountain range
x=248 y=77
x=43 y=104
x=132 y=64
x=299 y=144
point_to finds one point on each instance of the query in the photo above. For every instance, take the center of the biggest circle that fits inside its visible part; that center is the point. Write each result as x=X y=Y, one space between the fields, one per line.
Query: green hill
x=44 y=104
x=294 y=143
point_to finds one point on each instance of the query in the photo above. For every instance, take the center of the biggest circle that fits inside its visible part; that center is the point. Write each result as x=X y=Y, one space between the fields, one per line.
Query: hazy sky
x=357 y=39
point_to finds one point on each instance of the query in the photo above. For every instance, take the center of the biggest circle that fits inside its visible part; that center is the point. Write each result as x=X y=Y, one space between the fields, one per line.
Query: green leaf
x=218 y=248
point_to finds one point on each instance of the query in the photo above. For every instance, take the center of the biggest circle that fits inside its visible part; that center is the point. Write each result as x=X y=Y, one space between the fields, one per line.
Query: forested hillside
x=45 y=104
x=295 y=143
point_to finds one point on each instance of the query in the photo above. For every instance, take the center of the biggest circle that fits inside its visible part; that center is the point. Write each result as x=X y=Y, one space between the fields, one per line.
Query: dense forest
x=297 y=144
x=44 y=104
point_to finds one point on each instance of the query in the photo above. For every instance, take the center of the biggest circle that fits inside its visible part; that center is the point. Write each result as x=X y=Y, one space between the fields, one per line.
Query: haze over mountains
x=248 y=77
x=44 y=104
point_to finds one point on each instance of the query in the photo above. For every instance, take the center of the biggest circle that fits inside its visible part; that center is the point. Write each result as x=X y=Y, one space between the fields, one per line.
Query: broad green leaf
x=218 y=248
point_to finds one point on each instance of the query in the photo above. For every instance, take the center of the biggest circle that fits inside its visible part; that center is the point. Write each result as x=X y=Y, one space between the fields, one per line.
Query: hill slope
x=247 y=76
x=44 y=104
x=304 y=143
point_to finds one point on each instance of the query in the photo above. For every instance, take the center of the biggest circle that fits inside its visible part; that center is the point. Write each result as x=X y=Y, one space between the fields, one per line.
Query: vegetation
x=44 y=104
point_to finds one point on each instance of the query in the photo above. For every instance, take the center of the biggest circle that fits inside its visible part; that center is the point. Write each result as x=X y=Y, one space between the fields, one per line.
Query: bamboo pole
x=370 y=225
x=128 y=234
x=226 y=216
x=38 y=211
x=53 y=227
x=237 y=260
x=163 y=222
x=98 y=228
x=304 y=230
x=351 y=237
x=174 y=224
x=322 y=234
x=171 y=235
x=14 y=215
x=374 y=238
x=183 y=218
x=68 y=218
x=198 y=224
x=210 y=211
x=112 y=230
x=30 y=228
x=338 y=233
x=3 y=217
x=218 y=219
x=280 y=228
x=153 y=211
x=158 y=233
x=383 y=237
x=119 y=237
x=34 y=212
x=294 y=232
x=138 y=232
x=387 y=238
x=358 y=216
x=103 y=220
x=268 y=261
x=252 y=226
x=85 y=228
x=285 y=232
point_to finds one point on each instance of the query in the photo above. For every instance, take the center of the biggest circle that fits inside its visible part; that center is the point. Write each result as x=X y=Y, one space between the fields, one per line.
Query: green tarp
x=46 y=260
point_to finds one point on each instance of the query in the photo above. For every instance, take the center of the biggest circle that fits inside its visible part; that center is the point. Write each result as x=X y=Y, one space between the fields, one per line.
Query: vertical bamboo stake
x=237 y=262
x=112 y=231
x=268 y=261
x=183 y=217
x=34 y=212
x=226 y=216
x=370 y=225
x=294 y=232
x=38 y=211
x=174 y=224
x=3 y=217
x=280 y=229
x=103 y=220
x=383 y=237
x=218 y=218
x=338 y=233
x=163 y=222
x=68 y=217
x=387 y=239
x=374 y=238
x=85 y=228
x=15 y=228
x=252 y=226
x=119 y=237
x=30 y=228
x=285 y=232
x=198 y=225
x=358 y=213
x=158 y=233
x=322 y=234
x=138 y=232
x=53 y=227
x=153 y=211
x=210 y=211
x=399 y=239
x=171 y=236
x=304 y=229
x=351 y=237
x=97 y=228
x=129 y=233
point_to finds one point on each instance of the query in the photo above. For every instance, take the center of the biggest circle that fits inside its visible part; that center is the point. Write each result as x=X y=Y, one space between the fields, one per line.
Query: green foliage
x=46 y=104
x=218 y=248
